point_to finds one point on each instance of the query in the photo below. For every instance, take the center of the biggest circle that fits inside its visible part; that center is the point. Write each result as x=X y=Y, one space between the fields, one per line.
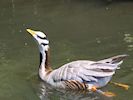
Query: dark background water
x=77 y=29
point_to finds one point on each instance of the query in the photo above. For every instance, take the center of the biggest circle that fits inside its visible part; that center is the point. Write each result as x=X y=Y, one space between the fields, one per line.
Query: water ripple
x=128 y=38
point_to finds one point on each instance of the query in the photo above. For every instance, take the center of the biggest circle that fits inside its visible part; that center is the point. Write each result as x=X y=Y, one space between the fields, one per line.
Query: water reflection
x=13 y=7
x=77 y=29
x=46 y=92
x=3 y=50
x=129 y=40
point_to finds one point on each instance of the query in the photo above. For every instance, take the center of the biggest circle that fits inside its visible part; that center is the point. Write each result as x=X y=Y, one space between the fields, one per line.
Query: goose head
x=41 y=39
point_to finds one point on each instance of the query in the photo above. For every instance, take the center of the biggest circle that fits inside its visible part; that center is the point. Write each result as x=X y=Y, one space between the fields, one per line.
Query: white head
x=41 y=39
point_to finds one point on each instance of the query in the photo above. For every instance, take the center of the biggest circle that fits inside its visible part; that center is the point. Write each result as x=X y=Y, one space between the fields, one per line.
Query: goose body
x=80 y=74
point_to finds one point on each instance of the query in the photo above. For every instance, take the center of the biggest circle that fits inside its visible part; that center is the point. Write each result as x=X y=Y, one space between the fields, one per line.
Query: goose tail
x=117 y=60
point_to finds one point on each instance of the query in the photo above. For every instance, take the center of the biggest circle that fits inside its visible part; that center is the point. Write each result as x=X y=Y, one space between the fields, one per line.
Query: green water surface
x=77 y=29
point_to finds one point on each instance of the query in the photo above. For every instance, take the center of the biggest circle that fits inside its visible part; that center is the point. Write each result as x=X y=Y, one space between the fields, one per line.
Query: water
x=77 y=29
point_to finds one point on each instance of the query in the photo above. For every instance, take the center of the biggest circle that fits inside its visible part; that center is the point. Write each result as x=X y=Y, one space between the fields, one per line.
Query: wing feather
x=83 y=71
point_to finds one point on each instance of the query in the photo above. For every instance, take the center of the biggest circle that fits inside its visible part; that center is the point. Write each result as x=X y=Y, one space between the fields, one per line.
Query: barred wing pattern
x=83 y=71
x=86 y=72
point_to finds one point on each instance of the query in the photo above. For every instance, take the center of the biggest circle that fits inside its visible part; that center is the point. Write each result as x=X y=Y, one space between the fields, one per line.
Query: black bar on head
x=44 y=44
x=41 y=37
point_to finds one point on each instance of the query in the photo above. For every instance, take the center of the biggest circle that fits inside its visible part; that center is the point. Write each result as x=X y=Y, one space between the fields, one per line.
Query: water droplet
x=25 y=44
x=20 y=31
x=68 y=59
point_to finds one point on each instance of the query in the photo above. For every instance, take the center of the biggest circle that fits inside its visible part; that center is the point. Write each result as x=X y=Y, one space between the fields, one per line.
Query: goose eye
x=41 y=37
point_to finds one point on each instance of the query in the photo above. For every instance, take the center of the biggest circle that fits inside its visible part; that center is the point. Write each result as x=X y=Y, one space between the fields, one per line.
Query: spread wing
x=83 y=71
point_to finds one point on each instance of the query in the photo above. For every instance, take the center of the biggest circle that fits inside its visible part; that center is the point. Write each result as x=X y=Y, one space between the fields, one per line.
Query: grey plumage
x=80 y=74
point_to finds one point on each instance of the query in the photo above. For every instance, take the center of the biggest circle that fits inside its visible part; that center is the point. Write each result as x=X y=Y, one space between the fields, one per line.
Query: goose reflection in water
x=46 y=92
